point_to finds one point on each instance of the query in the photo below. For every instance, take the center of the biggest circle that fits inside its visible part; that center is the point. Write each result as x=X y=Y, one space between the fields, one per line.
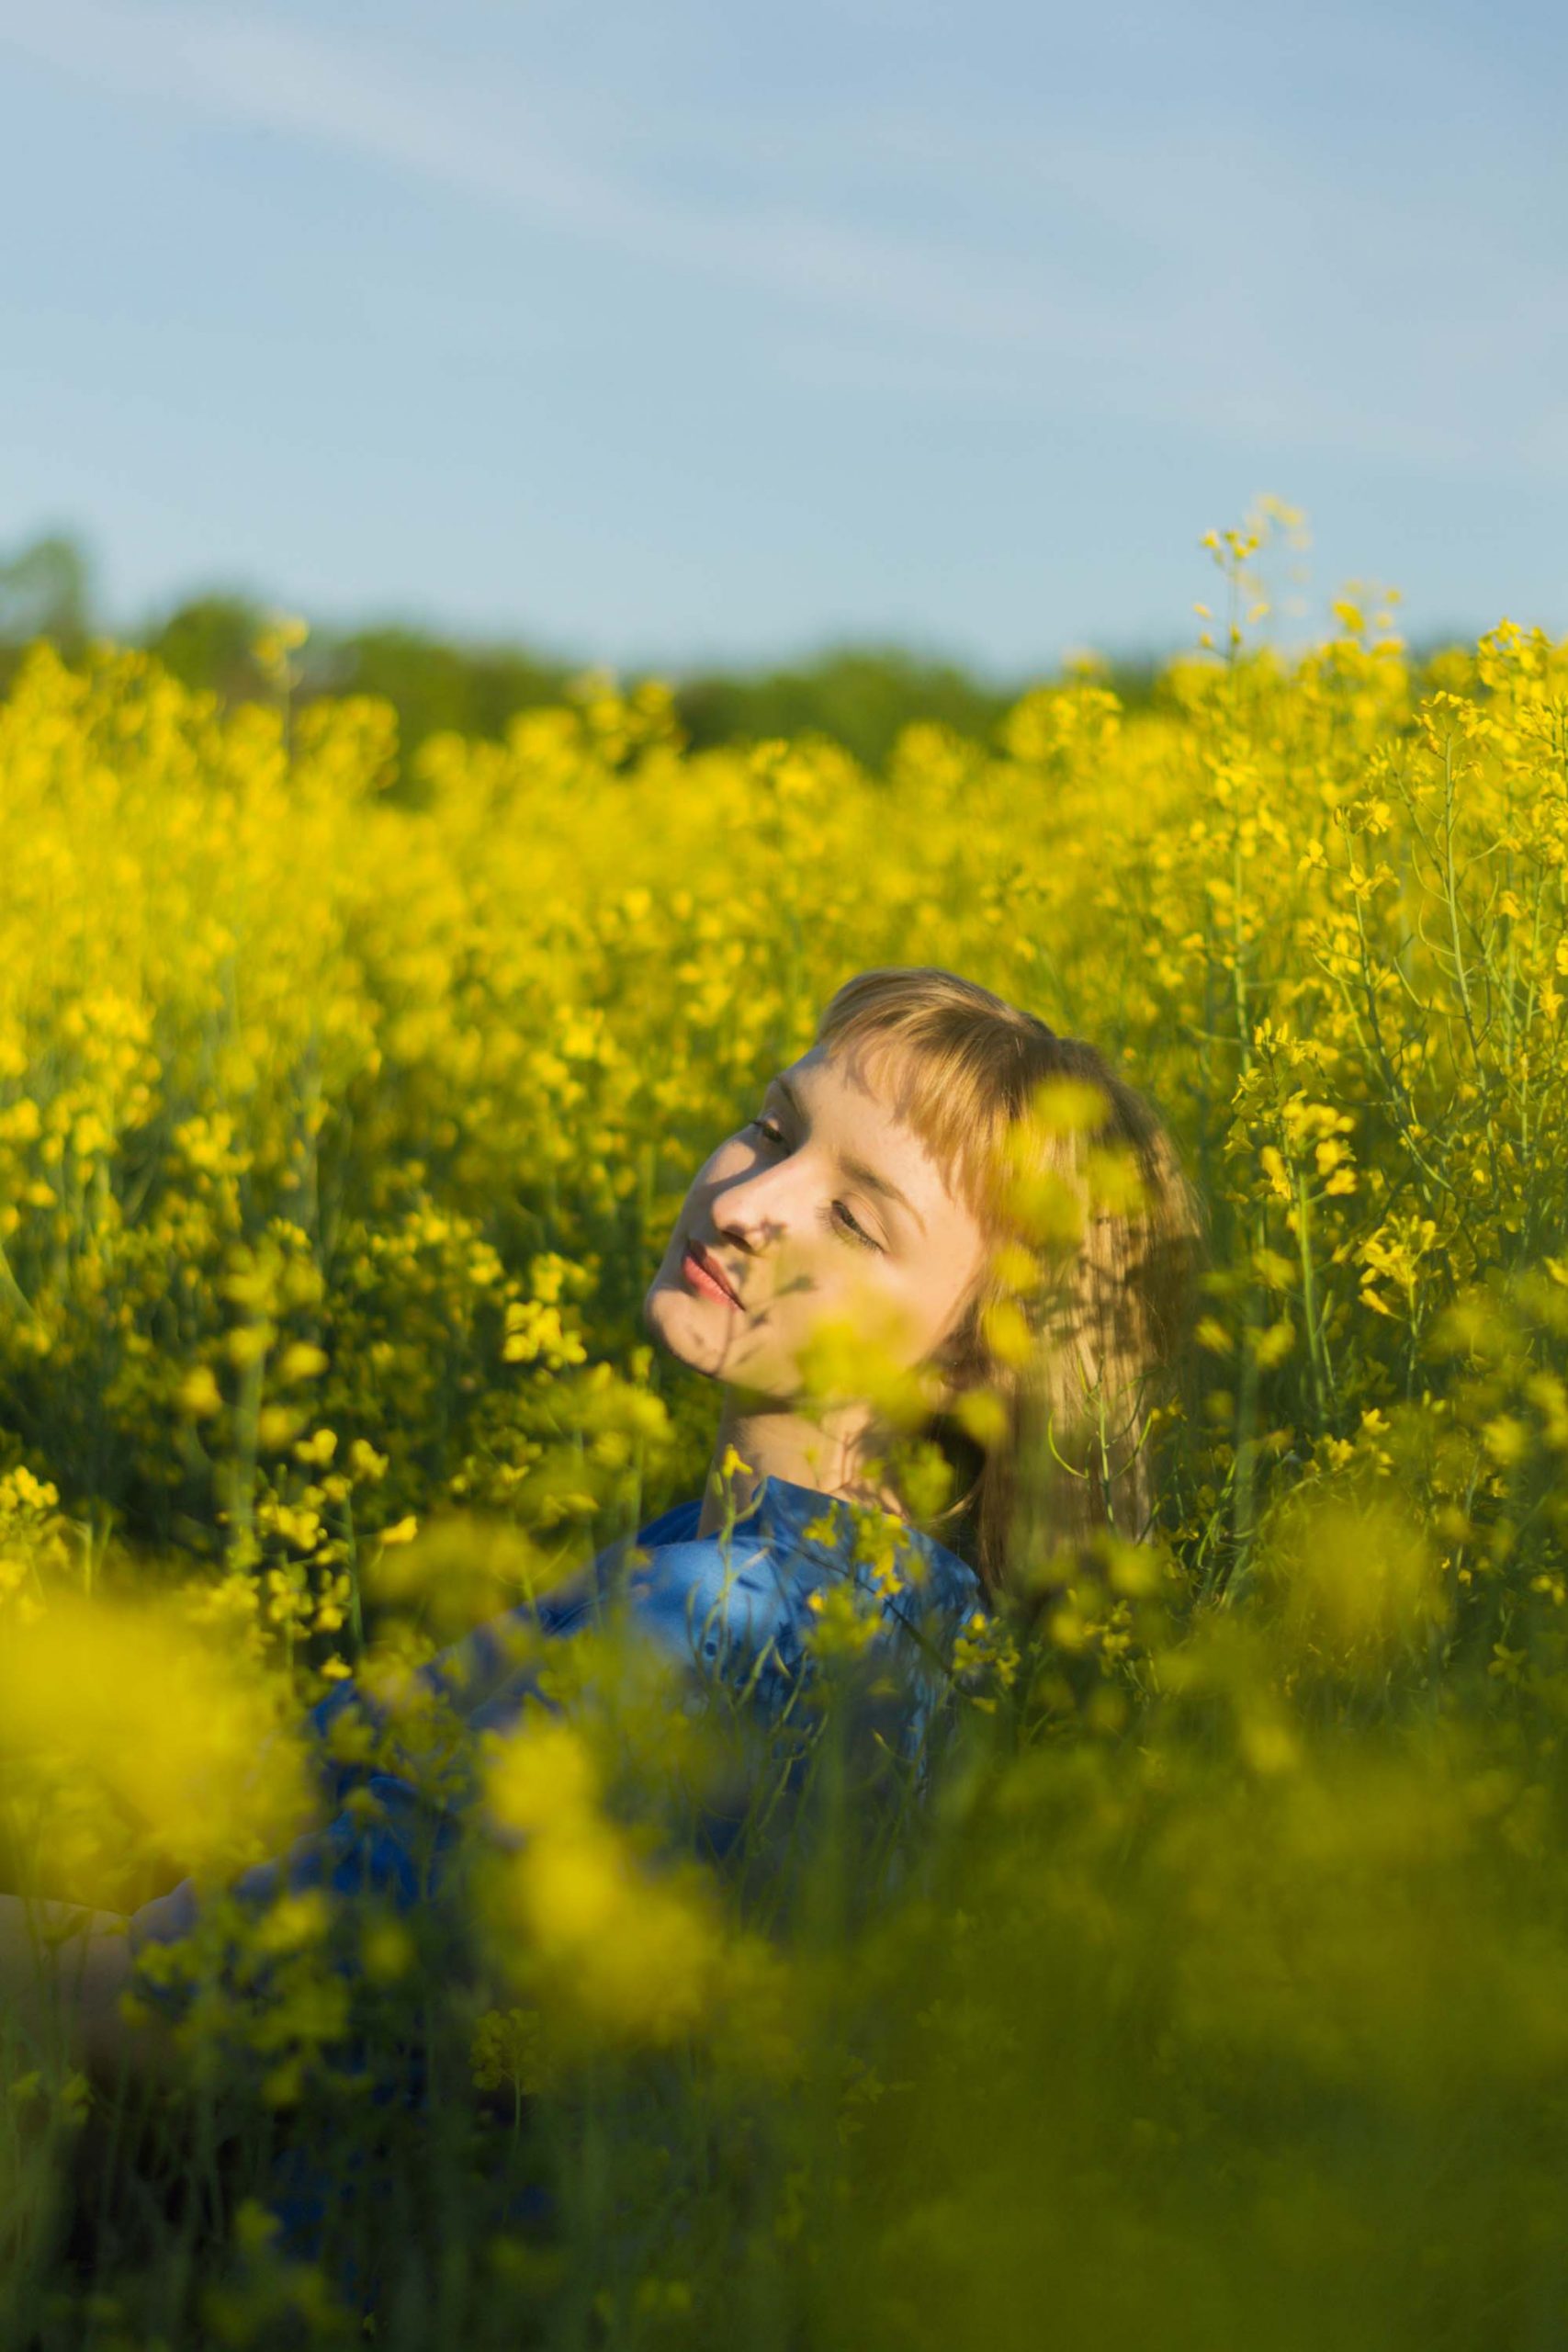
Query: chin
x=685 y=1328
x=701 y=1334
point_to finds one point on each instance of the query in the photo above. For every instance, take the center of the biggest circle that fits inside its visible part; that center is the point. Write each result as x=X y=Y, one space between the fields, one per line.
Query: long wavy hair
x=1071 y=1337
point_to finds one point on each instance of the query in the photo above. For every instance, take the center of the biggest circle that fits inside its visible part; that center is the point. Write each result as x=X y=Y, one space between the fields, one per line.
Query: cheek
x=666 y=1299
x=733 y=1157
x=901 y=1304
x=693 y=1212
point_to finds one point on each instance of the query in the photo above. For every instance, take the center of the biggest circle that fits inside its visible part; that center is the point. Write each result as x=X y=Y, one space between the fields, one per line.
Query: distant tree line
x=860 y=696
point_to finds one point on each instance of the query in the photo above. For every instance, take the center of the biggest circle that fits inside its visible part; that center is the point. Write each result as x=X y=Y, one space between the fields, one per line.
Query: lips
x=709 y=1275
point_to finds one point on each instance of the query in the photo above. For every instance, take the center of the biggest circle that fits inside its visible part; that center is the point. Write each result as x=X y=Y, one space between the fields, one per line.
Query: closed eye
x=772 y=1132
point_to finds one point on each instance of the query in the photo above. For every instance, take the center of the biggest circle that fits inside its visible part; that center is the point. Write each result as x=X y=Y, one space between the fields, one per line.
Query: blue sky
x=682 y=331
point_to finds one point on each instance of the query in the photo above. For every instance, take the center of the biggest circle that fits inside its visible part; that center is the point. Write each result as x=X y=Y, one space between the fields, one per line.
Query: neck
x=834 y=1453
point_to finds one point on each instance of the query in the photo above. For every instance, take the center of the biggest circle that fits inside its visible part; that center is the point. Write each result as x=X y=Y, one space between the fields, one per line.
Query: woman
x=998 y=1225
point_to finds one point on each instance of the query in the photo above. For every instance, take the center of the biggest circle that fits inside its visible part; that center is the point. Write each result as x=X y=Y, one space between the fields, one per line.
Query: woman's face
x=825 y=1206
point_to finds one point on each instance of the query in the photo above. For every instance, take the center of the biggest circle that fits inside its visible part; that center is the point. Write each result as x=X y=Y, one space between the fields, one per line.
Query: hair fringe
x=1106 y=1322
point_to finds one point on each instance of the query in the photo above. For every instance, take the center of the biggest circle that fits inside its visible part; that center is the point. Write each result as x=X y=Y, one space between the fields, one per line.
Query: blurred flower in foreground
x=613 y=1946
x=121 y=1730
x=459 y=1571
x=1353 y=1578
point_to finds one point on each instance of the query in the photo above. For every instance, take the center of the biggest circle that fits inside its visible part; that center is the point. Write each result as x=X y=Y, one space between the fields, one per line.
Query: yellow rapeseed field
x=343 y=1114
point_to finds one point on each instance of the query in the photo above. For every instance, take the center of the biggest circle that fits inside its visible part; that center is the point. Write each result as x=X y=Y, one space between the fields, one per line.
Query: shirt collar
x=780 y=1506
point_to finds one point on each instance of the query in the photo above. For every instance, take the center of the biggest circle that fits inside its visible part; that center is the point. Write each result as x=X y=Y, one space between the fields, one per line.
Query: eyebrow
x=857 y=1168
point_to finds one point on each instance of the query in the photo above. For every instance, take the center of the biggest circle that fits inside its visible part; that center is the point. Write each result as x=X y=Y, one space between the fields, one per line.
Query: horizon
x=1292 y=642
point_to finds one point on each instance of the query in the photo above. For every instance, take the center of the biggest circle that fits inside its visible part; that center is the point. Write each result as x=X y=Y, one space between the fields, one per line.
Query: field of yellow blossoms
x=345 y=1108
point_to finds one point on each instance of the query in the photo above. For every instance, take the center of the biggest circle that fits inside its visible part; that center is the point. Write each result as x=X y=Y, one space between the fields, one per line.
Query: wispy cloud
x=498 y=146
x=1144 y=268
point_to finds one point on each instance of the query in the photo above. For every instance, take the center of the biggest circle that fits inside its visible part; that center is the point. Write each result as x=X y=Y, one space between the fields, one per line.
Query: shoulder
x=677 y=1525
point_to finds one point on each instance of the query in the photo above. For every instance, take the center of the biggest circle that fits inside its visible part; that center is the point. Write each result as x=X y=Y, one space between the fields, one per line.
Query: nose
x=751 y=1213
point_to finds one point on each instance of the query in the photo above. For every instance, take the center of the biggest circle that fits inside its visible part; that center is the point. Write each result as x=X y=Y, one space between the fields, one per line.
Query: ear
x=960 y=1361
x=953 y=1370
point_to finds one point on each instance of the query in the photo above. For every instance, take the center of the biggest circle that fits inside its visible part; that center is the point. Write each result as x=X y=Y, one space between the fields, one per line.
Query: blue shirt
x=736 y=1618
x=737 y=1613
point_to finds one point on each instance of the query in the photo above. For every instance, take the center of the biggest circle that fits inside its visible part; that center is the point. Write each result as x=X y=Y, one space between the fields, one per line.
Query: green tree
x=860 y=696
x=433 y=684
x=44 y=593
x=210 y=641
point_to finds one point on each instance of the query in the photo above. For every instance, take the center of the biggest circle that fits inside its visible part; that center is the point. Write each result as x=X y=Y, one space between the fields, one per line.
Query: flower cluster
x=342 y=1121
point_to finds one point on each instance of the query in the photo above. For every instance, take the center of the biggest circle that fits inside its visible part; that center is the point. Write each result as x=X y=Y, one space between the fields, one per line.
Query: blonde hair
x=1072 y=1333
